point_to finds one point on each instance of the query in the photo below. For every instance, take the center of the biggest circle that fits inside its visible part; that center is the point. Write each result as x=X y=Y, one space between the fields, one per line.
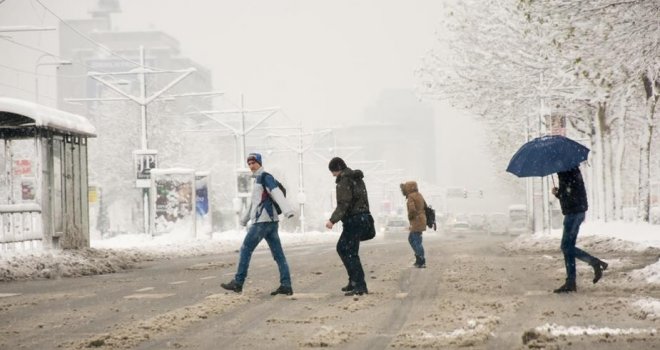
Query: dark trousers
x=572 y=224
x=348 y=247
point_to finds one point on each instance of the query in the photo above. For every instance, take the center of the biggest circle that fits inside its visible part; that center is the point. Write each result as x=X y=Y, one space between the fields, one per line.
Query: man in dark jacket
x=573 y=200
x=353 y=211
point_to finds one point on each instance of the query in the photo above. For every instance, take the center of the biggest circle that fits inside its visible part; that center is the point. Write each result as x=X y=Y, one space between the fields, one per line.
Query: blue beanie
x=255 y=156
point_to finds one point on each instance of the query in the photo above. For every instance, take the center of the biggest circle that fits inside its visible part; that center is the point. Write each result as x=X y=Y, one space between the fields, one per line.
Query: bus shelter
x=43 y=177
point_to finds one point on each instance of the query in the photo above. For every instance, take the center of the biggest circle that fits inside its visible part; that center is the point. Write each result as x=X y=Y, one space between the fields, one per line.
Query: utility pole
x=242 y=172
x=145 y=158
x=38 y=64
x=300 y=150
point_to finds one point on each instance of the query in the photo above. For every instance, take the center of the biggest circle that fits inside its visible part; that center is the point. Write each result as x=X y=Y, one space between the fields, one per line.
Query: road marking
x=178 y=282
x=146 y=289
x=308 y=296
x=148 y=296
x=536 y=292
x=208 y=277
x=7 y=295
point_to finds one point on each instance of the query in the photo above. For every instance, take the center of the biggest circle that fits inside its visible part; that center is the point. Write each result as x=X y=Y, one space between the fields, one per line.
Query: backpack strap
x=265 y=198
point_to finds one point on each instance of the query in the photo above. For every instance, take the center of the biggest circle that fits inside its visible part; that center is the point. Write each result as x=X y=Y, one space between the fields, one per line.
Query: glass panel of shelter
x=57 y=194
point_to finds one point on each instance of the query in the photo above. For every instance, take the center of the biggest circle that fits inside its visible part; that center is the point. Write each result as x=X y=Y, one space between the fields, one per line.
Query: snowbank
x=124 y=251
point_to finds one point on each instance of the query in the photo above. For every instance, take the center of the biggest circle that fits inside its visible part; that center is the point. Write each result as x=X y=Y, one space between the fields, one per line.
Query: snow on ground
x=124 y=251
x=606 y=237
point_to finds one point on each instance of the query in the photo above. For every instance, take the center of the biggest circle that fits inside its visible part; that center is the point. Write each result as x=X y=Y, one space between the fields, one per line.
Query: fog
x=326 y=64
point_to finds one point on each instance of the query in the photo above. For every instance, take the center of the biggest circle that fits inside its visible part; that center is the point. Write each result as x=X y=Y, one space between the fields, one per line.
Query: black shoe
x=598 y=270
x=357 y=291
x=233 y=286
x=349 y=287
x=420 y=263
x=568 y=287
x=282 y=290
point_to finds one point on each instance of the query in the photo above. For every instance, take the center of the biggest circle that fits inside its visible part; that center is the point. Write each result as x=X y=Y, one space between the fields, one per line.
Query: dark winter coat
x=572 y=194
x=351 y=195
x=415 y=205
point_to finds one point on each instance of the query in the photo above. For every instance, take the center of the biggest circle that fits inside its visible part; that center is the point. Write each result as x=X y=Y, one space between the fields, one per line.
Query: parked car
x=518 y=227
x=458 y=227
x=477 y=222
x=396 y=226
x=497 y=223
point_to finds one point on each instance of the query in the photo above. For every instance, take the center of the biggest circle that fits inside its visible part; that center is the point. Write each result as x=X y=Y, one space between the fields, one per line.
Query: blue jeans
x=259 y=231
x=415 y=240
x=571 y=252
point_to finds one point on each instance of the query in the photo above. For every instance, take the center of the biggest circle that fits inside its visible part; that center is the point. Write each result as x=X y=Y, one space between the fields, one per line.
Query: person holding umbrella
x=573 y=200
x=552 y=154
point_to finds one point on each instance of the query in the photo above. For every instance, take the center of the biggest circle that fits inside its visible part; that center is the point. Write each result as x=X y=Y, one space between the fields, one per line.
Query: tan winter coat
x=415 y=204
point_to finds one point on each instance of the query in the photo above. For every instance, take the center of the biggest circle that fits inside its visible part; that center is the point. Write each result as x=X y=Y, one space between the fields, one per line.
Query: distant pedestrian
x=353 y=211
x=573 y=200
x=415 y=205
x=262 y=213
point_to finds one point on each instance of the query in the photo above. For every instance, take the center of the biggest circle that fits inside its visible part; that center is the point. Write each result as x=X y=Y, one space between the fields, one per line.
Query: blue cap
x=255 y=157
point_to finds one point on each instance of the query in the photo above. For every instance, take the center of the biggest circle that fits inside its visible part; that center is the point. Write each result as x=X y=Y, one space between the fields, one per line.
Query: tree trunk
x=617 y=160
x=598 y=164
x=652 y=95
x=606 y=149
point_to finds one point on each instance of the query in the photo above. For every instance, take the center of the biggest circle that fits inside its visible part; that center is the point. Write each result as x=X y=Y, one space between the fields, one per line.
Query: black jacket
x=351 y=195
x=572 y=194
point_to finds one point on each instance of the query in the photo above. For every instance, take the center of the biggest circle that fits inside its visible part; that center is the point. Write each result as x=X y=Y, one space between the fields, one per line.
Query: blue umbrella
x=547 y=155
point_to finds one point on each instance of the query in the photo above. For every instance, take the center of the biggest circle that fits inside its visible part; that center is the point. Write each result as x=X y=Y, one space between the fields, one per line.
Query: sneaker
x=233 y=286
x=349 y=287
x=282 y=290
x=568 y=287
x=598 y=270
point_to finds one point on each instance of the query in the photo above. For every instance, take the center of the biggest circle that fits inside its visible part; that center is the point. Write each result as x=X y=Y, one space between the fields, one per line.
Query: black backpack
x=430 y=217
x=265 y=194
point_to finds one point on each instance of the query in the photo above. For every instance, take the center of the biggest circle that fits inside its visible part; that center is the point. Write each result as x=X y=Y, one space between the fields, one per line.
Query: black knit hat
x=337 y=164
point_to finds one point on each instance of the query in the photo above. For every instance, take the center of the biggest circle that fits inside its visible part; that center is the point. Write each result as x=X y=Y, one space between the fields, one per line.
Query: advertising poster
x=173 y=196
x=28 y=191
x=144 y=161
x=202 y=203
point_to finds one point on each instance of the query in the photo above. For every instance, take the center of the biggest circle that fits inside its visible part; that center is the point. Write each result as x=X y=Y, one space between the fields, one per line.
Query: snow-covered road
x=478 y=291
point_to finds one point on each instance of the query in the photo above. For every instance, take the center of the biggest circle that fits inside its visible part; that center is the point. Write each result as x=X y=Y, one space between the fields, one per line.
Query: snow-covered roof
x=15 y=112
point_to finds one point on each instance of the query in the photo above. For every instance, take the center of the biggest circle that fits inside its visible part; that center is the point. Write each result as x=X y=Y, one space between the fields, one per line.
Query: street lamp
x=57 y=63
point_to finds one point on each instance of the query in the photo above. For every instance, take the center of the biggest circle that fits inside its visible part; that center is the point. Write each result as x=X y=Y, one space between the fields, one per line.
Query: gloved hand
x=555 y=191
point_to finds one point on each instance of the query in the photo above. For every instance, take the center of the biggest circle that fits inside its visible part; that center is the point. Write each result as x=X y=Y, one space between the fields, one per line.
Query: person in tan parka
x=415 y=204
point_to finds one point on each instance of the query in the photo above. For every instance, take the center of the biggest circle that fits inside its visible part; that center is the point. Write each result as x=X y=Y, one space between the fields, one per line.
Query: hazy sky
x=323 y=62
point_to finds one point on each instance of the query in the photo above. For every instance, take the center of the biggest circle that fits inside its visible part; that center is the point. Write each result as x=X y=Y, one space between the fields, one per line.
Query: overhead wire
x=49 y=53
x=41 y=74
x=94 y=42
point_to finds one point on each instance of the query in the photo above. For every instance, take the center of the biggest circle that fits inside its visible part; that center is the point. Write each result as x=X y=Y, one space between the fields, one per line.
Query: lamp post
x=38 y=64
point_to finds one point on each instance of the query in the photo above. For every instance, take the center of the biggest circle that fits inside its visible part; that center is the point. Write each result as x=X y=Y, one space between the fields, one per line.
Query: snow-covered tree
x=503 y=59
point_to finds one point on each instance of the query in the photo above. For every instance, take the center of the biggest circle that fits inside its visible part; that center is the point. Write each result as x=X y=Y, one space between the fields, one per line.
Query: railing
x=20 y=227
